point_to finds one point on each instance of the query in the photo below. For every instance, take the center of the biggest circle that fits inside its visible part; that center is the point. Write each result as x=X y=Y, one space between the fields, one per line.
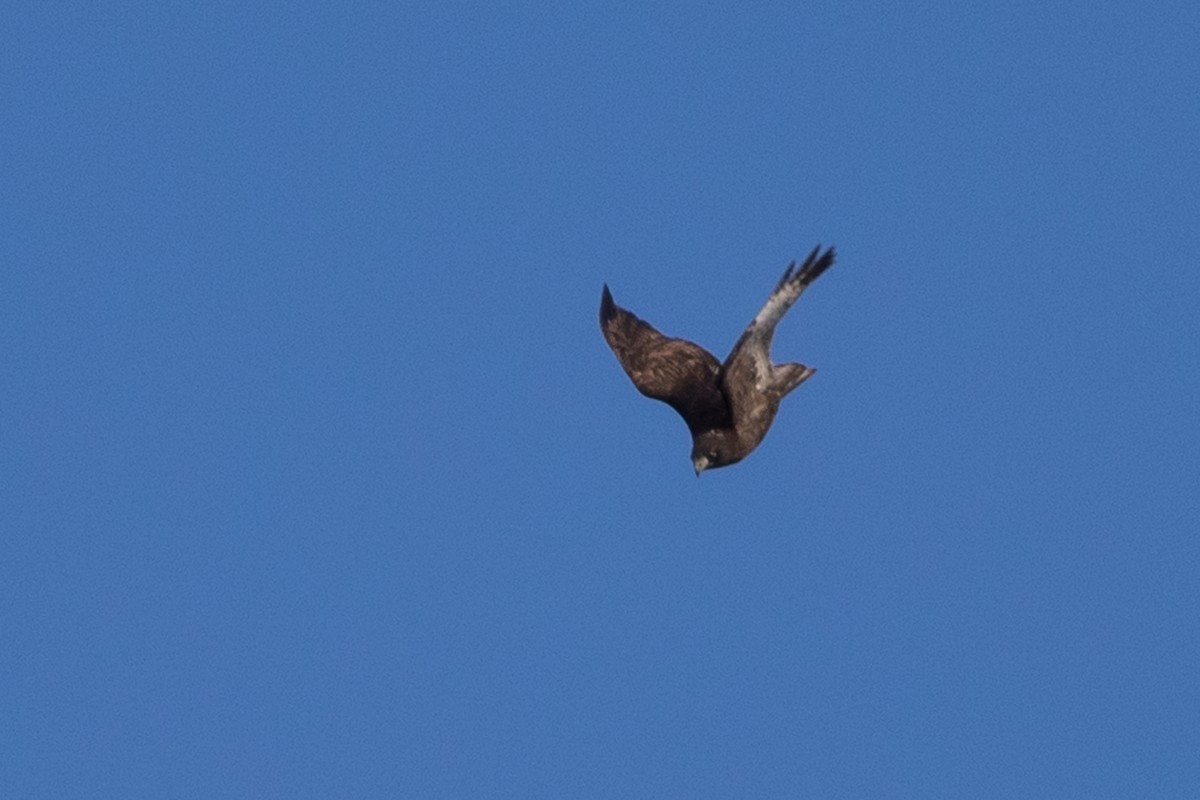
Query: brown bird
x=727 y=407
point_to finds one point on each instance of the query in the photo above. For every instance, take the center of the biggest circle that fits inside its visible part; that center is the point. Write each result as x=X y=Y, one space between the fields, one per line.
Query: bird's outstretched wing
x=678 y=372
x=748 y=371
x=790 y=287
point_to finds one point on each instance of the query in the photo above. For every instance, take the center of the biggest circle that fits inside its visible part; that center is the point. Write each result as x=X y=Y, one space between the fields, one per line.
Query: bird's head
x=711 y=450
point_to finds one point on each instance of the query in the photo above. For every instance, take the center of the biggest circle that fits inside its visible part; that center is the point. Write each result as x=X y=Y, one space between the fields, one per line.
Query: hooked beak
x=699 y=465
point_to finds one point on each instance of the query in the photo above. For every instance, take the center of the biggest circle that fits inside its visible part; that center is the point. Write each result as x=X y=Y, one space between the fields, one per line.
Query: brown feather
x=678 y=372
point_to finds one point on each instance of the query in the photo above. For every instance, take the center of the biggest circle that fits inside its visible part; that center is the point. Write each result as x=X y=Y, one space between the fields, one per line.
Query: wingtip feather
x=608 y=309
x=814 y=265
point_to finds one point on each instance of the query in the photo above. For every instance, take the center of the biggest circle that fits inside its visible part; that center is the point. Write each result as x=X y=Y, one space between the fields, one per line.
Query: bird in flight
x=728 y=407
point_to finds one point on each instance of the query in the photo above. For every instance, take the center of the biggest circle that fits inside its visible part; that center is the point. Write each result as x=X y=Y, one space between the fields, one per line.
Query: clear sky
x=317 y=478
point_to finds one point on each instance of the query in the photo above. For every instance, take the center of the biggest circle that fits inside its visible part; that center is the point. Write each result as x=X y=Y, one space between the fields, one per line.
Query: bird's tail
x=789 y=376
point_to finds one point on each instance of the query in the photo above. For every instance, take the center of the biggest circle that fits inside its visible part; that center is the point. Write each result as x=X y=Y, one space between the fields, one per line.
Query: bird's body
x=728 y=407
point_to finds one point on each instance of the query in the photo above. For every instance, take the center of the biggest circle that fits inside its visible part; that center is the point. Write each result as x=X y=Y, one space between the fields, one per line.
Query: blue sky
x=318 y=479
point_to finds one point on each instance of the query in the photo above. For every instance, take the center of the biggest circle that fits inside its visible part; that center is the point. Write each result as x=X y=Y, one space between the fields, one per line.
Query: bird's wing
x=678 y=372
x=788 y=290
x=748 y=370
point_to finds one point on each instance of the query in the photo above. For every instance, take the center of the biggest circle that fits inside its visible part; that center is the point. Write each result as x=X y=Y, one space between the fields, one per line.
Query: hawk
x=728 y=407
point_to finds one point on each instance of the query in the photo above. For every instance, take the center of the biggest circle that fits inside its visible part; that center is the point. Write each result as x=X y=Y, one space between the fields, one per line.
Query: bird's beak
x=699 y=465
